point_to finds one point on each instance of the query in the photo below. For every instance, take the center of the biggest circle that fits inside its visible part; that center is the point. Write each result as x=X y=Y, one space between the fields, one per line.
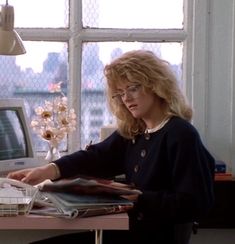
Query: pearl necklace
x=158 y=127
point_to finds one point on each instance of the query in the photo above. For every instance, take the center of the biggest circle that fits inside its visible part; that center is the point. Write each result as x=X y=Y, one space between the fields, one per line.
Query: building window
x=71 y=41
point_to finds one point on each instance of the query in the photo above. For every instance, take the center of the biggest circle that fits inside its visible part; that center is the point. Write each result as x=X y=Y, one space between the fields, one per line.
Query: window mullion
x=75 y=63
x=45 y=34
x=132 y=35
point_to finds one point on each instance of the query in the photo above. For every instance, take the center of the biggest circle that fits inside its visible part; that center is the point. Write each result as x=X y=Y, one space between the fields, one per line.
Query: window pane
x=41 y=13
x=28 y=76
x=133 y=14
x=94 y=110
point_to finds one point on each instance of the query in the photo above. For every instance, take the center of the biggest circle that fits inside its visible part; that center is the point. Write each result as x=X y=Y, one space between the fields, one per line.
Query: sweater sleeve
x=103 y=159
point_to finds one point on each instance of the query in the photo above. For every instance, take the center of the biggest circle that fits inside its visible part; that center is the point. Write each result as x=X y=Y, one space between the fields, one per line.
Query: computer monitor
x=16 y=146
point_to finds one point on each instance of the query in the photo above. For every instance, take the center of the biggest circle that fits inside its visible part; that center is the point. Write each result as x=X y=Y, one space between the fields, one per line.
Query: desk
x=97 y=223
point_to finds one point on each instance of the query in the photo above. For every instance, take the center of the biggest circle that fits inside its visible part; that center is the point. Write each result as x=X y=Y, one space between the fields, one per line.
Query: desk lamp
x=10 y=41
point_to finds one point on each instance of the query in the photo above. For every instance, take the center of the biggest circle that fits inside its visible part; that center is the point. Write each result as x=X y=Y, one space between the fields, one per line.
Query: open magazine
x=82 y=197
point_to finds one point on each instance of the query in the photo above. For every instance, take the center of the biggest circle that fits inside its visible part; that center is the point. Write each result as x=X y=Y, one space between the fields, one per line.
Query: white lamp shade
x=11 y=43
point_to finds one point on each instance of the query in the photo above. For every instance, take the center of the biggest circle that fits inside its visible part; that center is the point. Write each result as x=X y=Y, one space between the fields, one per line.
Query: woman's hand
x=34 y=176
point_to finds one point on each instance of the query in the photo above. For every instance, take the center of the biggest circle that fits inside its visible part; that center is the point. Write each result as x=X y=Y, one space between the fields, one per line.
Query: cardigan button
x=147 y=136
x=143 y=153
x=136 y=168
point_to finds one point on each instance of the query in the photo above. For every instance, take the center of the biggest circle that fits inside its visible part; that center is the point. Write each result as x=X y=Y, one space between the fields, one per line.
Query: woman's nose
x=126 y=97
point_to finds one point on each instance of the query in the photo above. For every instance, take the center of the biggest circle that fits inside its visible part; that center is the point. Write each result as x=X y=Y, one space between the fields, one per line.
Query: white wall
x=220 y=96
x=213 y=77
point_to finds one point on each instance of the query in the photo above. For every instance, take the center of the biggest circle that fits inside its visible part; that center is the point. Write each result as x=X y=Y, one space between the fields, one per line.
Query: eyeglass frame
x=128 y=91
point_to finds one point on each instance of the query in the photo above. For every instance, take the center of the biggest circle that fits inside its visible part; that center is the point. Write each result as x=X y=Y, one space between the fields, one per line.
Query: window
x=71 y=41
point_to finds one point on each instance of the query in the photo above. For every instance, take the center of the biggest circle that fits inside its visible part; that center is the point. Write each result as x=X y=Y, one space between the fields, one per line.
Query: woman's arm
x=104 y=159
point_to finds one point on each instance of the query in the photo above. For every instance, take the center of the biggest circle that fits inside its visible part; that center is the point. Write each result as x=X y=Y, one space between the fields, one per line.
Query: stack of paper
x=87 y=197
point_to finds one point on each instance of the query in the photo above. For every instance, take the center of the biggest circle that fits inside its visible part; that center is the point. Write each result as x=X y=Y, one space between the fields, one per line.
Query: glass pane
x=94 y=110
x=41 y=13
x=161 y=14
x=29 y=76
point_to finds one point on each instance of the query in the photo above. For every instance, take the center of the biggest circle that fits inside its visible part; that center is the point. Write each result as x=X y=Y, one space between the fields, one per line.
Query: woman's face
x=140 y=104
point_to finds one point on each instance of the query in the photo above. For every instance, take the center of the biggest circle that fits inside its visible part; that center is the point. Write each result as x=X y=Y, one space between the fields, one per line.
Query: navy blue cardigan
x=171 y=167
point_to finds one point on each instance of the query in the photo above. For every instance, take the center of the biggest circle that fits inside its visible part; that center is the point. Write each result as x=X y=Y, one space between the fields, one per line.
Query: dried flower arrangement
x=54 y=120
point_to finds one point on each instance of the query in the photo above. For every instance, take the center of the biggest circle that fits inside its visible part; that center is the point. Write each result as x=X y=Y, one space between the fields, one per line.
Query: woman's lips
x=132 y=107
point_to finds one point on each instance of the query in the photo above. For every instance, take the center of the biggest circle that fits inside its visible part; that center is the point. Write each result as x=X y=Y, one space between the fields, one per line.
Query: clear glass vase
x=52 y=154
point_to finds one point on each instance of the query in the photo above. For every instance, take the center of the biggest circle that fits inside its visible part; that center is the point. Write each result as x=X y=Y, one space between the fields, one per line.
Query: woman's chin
x=136 y=115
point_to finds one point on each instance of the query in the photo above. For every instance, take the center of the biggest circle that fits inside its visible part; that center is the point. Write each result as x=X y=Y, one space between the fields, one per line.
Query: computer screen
x=16 y=147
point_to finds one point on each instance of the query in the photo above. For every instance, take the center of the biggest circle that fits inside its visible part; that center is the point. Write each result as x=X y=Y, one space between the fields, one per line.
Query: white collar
x=158 y=127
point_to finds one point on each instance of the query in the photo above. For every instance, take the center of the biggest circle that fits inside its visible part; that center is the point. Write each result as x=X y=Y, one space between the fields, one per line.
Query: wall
x=221 y=79
x=213 y=77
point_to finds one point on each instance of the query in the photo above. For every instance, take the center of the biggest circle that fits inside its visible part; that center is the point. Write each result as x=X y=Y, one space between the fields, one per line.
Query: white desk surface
x=33 y=222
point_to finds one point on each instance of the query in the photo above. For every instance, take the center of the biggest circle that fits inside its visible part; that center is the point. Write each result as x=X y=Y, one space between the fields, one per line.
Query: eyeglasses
x=131 y=91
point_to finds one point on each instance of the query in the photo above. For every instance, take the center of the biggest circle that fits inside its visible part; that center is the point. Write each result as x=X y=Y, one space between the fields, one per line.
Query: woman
x=155 y=146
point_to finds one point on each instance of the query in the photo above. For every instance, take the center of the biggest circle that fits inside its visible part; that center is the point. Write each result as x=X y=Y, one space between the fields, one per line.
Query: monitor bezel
x=31 y=160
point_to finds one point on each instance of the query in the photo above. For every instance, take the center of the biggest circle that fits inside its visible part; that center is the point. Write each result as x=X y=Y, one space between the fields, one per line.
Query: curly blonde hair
x=153 y=74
